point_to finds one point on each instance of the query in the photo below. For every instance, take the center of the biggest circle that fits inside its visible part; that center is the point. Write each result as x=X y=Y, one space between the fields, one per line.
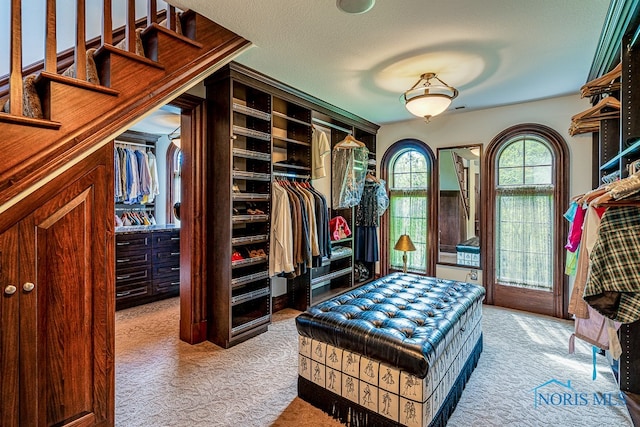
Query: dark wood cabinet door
x=9 y=338
x=66 y=320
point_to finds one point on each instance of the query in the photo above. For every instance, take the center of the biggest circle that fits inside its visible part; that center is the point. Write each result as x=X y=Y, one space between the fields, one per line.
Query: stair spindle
x=130 y=30
x=152 y=12
x=171 y=17
x=15 y=81
x=51 y=54
x=81 y=47
x=107 y=23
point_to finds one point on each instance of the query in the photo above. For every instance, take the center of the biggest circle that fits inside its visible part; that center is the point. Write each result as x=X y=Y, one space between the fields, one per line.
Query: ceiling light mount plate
x=355 y=7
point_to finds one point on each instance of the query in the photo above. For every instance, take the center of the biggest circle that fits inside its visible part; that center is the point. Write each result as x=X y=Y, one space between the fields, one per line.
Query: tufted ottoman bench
x=396 y=351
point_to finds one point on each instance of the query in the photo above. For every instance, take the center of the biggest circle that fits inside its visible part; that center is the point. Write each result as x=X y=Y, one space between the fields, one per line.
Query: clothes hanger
x=349 y=142
x=596 y=110
x=371 y=177
x=604 y=83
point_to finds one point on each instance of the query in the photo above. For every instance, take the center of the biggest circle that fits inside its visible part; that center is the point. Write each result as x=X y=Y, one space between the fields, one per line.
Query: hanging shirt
x=319 y=149
x=613 y=287
x=153 y=170
x=281 y=239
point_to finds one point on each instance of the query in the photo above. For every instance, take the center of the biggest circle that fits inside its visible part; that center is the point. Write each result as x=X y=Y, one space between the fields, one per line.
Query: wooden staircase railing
x=461 y=174
x=77 y=115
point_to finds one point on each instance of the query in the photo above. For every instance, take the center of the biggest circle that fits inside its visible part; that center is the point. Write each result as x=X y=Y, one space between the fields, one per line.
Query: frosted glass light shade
x=428 y=105
x=428 y=100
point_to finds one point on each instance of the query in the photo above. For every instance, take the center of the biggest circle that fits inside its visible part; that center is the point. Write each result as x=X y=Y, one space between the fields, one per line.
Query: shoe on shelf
x=236 y=256
x=236 y=189
x=255 y=212
x=260 y=252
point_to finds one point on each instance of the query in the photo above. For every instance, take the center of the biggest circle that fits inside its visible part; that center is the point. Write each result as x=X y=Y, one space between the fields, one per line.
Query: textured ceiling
x=496 y=52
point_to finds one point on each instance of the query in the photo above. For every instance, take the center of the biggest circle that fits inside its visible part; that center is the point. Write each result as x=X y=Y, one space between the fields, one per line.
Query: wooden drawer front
x=166 y=239
x=131 y=259
x=166 y=256
x=166 y=285
x=131 y=291
x=133 y=275
x=166 y=272
x=132 y=242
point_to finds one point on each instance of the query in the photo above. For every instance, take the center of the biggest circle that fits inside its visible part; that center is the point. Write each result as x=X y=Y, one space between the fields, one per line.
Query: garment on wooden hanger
x=349 y=160
x=319 y=148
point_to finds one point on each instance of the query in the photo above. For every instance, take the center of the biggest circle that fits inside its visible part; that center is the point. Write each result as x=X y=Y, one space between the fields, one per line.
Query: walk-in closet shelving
x=240 y=297
x=616 y=145
x=260 y=131
x=147 y=255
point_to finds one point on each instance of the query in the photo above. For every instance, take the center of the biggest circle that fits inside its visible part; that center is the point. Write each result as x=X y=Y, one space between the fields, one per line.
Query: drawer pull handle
x=123 y=260
x=123 y=294
x=175 y=283
x=122 y=243
x=175 y=253
x=175 y=238
x=28 y=287
x=10 y=290
x=128 y=276
x=175 y=268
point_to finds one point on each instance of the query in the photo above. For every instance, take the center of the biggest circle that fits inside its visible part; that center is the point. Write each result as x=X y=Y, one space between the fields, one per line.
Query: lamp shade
x=404 y=243
x=428 y=99
x=428 y=105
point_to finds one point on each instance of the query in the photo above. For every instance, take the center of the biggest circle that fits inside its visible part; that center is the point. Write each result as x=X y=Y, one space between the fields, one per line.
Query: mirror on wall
x=459 y=205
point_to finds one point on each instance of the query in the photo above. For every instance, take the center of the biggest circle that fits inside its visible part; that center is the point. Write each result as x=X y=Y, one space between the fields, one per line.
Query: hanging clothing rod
x=331 y=125
x=291 y=175
x=134 y=144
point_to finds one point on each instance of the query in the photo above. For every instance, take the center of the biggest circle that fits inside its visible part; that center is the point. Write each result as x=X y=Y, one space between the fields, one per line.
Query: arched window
x=407 y=168
x=527 y=179
x=174 y=175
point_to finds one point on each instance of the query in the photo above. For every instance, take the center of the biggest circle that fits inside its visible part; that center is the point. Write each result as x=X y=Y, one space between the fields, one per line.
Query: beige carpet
x=161 y=381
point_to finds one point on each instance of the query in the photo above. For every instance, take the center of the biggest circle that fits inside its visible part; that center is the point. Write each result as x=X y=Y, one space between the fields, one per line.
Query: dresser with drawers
x=147 y=265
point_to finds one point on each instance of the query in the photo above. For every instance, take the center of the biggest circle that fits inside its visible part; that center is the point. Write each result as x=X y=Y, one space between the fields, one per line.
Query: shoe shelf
x=250 y=154
x=247 y=240
x=248 y=261
x=249 y=324
x=238 y=107
x=251 y=133
x=248 y=296
x=239 y=219
x=243 y=280
x=322 y=280
x=251 y=197
x=255 y=176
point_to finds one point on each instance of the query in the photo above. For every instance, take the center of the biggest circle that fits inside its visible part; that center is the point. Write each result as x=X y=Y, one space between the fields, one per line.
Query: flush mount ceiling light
x=355 y=6
x=427 y=99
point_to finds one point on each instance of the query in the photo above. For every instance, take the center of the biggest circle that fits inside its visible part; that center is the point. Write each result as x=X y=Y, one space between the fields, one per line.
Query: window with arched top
x=526 y=188
x=407 y=168
x=524 y=214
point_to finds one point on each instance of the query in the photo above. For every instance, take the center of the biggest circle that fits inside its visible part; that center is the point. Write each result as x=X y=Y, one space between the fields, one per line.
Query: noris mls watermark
x=556 y=393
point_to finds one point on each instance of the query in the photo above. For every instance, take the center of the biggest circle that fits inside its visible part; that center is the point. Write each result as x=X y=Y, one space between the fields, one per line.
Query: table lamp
x=404 y=244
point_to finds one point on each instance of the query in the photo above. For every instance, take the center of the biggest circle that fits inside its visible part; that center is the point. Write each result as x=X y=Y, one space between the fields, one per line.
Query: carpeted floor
x=161 y=381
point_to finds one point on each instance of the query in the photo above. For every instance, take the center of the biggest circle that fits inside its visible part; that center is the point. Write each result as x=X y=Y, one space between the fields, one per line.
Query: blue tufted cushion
x=400 y=319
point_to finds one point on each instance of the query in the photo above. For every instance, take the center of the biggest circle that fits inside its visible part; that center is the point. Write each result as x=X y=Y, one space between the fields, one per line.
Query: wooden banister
x=11 y=84
x=152 y=12
x=51 y=55
x=15 y=81
x=81 y=36
x=171 y=17
x=107 y=22
x=130 y=27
